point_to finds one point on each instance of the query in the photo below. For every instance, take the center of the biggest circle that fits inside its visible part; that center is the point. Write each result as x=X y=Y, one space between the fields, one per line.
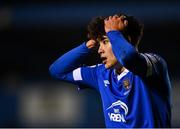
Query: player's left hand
x=115 y=23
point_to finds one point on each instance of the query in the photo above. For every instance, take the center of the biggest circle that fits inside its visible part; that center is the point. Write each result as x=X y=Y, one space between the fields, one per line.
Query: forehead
x=104 y=37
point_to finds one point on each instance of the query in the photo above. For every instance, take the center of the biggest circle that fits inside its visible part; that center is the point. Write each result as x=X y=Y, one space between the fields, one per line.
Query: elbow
x=52 y=71
x=128 y=58
x=56 y=73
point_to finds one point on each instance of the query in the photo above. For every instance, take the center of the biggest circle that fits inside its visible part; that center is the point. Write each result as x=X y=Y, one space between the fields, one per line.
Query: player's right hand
x=91 y=44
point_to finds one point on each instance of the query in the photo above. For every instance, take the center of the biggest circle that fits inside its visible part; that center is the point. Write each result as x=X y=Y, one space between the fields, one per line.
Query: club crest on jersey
x=126 y=84
x=120 y=110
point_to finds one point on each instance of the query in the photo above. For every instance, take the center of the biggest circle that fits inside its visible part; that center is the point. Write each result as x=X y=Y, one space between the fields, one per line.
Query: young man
x=134 y=87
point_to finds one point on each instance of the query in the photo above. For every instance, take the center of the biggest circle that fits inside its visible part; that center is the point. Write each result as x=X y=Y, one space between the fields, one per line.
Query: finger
x=110 y=17
x=125 y=23
x=105 y=22
x=123 y=17
x=115 y=16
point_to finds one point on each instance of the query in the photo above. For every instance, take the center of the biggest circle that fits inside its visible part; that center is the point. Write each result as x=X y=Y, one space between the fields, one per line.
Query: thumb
x=125 y=23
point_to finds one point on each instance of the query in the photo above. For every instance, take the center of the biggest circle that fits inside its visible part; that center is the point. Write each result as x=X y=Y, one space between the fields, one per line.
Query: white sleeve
x=86 y=76
x=77 y=74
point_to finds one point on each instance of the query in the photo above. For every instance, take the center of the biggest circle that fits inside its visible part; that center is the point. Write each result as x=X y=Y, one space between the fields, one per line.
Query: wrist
x=111 y=30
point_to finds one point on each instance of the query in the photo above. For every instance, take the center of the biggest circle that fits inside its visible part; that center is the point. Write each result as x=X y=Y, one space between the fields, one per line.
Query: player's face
x=106 y=53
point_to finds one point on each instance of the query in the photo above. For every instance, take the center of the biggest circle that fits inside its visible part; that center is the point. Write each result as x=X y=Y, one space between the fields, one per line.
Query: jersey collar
x=119 y=76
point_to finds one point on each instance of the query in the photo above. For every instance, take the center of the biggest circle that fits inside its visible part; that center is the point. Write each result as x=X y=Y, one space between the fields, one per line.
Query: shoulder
x=155 y=63
x=154 y=58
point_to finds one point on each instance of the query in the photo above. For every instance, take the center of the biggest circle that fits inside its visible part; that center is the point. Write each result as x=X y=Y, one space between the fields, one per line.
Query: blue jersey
x=138 y=97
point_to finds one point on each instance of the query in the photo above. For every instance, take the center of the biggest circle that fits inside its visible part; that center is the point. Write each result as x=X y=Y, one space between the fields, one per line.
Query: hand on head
x=91 y=44
x=115 y=23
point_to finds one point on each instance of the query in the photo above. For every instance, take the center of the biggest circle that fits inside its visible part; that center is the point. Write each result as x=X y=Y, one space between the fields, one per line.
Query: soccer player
x=135 y=88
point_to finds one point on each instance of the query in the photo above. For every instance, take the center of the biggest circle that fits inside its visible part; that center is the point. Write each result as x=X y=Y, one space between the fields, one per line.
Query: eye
x=105 y=41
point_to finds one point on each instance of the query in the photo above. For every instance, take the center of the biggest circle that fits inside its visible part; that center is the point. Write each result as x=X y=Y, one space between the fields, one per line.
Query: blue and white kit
x=139 y=97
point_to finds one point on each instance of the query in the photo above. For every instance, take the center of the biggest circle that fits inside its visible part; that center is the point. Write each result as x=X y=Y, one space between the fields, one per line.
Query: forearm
x=120 y=46
x=125 y=53
x=69 y=61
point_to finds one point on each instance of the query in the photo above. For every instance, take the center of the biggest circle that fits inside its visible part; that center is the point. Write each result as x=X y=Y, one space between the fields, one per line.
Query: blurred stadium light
x=54 y=14
x=44 y=107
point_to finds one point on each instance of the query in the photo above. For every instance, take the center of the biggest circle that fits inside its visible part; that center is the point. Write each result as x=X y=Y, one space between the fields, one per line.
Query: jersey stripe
x=122 y=74
x=77 y=74
x=149 y=65
x=153 y=62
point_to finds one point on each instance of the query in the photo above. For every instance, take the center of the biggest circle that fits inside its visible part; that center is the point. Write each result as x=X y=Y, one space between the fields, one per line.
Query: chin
x=108 y=66
x=111 y=65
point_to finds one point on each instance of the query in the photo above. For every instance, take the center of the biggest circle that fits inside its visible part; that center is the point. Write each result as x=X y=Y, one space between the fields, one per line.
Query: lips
x=104 y=59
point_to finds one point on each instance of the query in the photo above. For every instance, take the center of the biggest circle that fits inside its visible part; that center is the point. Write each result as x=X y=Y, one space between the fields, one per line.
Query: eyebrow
x=102 y=38
x=105 y=38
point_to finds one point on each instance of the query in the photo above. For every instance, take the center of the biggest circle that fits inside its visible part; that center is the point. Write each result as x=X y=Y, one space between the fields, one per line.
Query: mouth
x=104 y=60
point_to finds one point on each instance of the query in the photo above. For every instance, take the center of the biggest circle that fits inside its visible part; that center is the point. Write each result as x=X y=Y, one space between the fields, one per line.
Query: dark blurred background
x=33 y=33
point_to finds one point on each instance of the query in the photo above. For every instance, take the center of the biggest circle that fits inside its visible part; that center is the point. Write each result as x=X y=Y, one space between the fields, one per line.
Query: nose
x=100 y=50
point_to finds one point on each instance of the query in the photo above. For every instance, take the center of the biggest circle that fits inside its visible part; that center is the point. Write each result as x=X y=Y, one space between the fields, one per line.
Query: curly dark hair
x=134 y=30
x=96 y=28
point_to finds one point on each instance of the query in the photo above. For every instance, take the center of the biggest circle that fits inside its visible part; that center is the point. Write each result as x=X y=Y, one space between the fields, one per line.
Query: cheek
x=111 y=54
x=112 y=58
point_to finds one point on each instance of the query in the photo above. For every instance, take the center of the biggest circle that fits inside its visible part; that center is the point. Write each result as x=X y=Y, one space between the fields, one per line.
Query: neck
x=119 y=68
